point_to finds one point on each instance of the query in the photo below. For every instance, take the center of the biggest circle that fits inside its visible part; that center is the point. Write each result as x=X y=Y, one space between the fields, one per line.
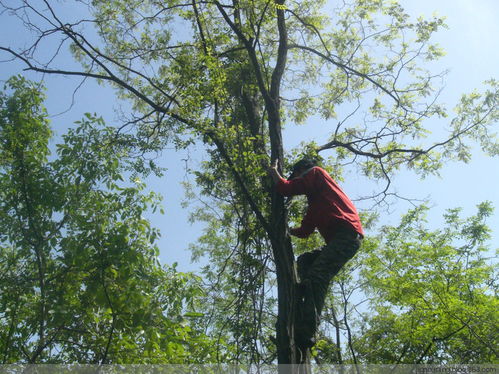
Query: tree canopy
x=80 y=280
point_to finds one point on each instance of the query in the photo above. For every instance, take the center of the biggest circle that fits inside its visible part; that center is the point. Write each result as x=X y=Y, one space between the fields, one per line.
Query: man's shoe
x=303 y=341
x=304 y=336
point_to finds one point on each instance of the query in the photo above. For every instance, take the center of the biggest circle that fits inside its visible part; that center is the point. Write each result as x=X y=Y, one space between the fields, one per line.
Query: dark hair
x=304 y=163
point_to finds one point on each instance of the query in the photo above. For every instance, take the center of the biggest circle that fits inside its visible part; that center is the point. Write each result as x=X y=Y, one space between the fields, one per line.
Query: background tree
x=434 y=292
x=416 y=295
x=80 y=280
x=226 y=77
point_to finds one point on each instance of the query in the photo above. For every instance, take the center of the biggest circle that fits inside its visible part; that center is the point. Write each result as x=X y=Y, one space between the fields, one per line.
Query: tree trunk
x=289 y=356
x=292 y=358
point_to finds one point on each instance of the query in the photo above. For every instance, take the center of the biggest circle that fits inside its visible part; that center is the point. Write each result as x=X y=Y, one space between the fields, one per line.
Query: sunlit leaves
x=432 y=293
x=81 y=281
x=477 y=111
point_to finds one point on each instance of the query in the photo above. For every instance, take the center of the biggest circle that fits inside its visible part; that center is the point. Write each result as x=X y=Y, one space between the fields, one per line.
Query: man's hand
x=273 y=172
x=273 y=166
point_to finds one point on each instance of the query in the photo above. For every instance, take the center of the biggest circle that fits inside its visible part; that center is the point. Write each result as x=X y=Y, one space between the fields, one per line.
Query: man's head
x=301 y=166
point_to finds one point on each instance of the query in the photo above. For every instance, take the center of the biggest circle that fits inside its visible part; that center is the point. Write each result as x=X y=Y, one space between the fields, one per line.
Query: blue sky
x=472 y=56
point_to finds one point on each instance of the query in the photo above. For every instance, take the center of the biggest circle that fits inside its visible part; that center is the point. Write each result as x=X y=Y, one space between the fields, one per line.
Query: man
x=334 y=215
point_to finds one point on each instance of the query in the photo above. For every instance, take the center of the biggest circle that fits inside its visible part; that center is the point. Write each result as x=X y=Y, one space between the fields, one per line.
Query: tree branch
x=249 y=48
x=282 y=50
x=347 y=68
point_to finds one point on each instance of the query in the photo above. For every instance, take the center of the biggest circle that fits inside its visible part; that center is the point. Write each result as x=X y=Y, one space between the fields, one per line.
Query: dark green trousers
x=316 y=269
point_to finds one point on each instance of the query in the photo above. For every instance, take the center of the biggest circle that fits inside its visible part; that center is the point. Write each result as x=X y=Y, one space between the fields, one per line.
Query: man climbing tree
x=334 y=215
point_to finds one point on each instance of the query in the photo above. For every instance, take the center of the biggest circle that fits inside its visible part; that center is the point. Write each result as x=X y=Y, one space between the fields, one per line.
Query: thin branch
x=314 y=29
x=347 y=68
x=351 y=148
x=349 y=331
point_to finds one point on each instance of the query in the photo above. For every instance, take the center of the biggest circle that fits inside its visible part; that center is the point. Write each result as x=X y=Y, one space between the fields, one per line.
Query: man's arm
x=305 y=230
x=307 y=227
x=287 y=188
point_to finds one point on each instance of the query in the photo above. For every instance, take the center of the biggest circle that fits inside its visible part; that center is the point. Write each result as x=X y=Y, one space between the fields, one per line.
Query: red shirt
x=328 y=206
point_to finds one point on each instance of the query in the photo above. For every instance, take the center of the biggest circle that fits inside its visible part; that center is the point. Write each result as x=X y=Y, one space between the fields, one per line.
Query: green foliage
x=433 y=294
x=368 y=54
x=412 y=293
x=238 y=305
x=80 y=280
